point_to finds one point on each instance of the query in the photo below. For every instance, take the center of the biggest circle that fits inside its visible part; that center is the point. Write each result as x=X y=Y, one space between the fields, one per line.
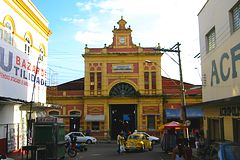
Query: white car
x=81 y=138
x=153 y=139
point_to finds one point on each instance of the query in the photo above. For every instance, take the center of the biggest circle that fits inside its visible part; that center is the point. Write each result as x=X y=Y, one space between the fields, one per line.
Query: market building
x=24 y=35
x=122 y=90
x=219 y=31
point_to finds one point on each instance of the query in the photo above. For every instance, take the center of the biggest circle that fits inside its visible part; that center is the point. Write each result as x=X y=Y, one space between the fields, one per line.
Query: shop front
x=222 y=119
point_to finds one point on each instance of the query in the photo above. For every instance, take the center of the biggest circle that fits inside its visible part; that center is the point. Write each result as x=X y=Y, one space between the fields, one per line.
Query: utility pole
x=29 y=125
x=176 y=49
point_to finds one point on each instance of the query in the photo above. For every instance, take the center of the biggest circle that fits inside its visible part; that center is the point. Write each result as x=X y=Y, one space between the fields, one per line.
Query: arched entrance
x=122 y=116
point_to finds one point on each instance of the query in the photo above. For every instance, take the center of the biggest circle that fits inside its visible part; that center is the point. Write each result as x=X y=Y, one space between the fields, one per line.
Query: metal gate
x=15 y=136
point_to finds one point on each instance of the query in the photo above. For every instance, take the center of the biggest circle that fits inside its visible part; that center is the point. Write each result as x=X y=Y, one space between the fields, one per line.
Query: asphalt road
x=109 y=152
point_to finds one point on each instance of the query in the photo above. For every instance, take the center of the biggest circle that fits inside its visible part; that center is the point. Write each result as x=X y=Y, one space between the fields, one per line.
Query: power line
x=66 y=68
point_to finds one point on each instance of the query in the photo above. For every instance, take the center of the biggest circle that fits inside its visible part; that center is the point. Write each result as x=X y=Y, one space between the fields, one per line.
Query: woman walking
x=120 y=142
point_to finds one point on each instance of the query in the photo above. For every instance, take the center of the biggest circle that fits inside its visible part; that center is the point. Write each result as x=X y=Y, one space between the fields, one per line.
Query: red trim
x=3 y=146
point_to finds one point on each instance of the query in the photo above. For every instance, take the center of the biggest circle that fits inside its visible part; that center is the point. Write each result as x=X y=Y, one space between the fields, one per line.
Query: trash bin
x=49 y=131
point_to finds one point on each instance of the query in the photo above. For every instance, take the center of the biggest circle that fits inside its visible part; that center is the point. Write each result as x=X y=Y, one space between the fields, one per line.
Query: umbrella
x=173 y=124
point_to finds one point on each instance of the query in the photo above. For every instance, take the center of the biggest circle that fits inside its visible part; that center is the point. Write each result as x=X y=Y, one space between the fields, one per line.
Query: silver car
x=81 y=138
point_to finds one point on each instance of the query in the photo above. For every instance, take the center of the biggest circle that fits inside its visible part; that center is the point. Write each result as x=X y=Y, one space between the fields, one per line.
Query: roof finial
x=121 y=17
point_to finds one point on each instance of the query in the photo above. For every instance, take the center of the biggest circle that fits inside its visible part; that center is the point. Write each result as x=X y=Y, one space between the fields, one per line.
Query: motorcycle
x=71 y=149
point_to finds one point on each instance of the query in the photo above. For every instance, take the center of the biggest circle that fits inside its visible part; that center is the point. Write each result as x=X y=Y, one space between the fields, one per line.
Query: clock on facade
x=122 y=40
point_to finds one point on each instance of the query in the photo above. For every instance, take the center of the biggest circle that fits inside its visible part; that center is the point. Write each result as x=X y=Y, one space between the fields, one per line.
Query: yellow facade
x=122 y=89
x=223 y=122
x=123 y=63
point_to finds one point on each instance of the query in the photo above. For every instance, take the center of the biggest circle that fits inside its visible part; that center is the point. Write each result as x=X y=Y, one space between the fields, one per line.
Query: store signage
x=122 y=68
x=49 y=120
x=230 y=111
x=222 y=72
x=17 y=73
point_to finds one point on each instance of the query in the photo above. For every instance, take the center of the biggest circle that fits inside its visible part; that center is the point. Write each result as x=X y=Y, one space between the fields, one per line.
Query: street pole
x=176 y=49
x=29 y=125
x=182 y=89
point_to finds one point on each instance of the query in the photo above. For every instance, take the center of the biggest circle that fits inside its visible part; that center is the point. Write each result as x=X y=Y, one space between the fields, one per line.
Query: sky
x=75 y=23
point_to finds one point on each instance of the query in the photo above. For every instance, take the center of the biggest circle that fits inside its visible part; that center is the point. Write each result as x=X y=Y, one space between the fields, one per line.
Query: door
x=74 y=121
x=122 y=118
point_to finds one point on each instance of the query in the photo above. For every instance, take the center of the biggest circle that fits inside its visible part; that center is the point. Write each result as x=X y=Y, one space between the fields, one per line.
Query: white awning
x=94 y=118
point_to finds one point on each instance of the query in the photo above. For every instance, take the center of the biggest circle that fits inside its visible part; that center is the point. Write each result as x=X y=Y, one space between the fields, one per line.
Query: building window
x=95 y=126
x=99 y=82
x=92 y=83
x=8 y=33
x=153 y=80
x=215 y=129
x=52 y=113
x=236 y=130
x=146 y=80
x=41 y=56
x=151 y=122
x=211 y=39
x=236 y=17
x=27 y=45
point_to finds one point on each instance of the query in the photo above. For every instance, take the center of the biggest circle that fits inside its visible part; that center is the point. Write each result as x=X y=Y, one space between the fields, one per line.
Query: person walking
x=88 y=132
x=179 y=151
x=188 y=150
x=120 y=142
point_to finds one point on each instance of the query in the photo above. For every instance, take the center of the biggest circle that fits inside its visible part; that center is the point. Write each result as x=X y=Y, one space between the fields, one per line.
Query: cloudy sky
x=75 y=23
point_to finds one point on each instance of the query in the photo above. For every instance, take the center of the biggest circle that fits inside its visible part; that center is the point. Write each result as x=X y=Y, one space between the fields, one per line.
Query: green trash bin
x=49 y=131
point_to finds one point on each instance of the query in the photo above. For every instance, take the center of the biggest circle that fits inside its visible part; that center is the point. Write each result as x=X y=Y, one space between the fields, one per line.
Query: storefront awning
x=94 y=118
x=191 y=113
x=38 y=106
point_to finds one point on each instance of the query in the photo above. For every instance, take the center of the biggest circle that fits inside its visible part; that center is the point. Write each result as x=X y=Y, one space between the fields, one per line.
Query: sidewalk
x=168 y=156
x=18 y=155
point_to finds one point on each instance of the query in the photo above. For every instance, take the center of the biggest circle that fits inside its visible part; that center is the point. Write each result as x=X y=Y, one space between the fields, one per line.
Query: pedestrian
x=188 y=150
x=125 y=135
x=179 y=151
x=164 y=142
x=197 y=137
x=120 y=142
x=88 y=132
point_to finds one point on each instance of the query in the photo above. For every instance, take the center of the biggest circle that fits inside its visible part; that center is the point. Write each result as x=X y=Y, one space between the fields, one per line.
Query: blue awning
x=191 y=113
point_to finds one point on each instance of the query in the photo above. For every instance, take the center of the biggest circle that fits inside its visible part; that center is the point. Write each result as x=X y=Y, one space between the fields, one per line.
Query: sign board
x=187 y=122
x=49 y=120
x=122 y=68
x=17 y=72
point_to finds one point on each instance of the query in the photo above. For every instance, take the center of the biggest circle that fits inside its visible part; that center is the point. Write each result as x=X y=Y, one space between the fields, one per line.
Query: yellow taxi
x=138 y=142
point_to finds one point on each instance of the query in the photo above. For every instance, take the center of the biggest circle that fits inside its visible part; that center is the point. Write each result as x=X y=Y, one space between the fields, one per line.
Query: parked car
x=80 y=137
x=225 y=151
x=153 y=139
x=138 y=142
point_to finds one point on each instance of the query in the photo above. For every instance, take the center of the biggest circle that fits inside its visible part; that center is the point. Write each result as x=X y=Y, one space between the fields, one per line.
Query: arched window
x=42 y=53
x=123 y=90
x=8 y=33
x=74 y=113
x=27 y=45
x=52 y=113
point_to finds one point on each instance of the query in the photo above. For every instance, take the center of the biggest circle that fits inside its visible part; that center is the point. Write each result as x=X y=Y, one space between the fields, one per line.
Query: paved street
x=109 y=152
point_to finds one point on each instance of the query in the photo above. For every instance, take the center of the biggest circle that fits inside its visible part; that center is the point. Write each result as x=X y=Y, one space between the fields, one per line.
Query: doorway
x=74 y=121
x=122 y=118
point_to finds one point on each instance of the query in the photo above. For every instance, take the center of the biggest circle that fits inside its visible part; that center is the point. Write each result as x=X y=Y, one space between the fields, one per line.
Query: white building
x=219 y=32
x=24 y=35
